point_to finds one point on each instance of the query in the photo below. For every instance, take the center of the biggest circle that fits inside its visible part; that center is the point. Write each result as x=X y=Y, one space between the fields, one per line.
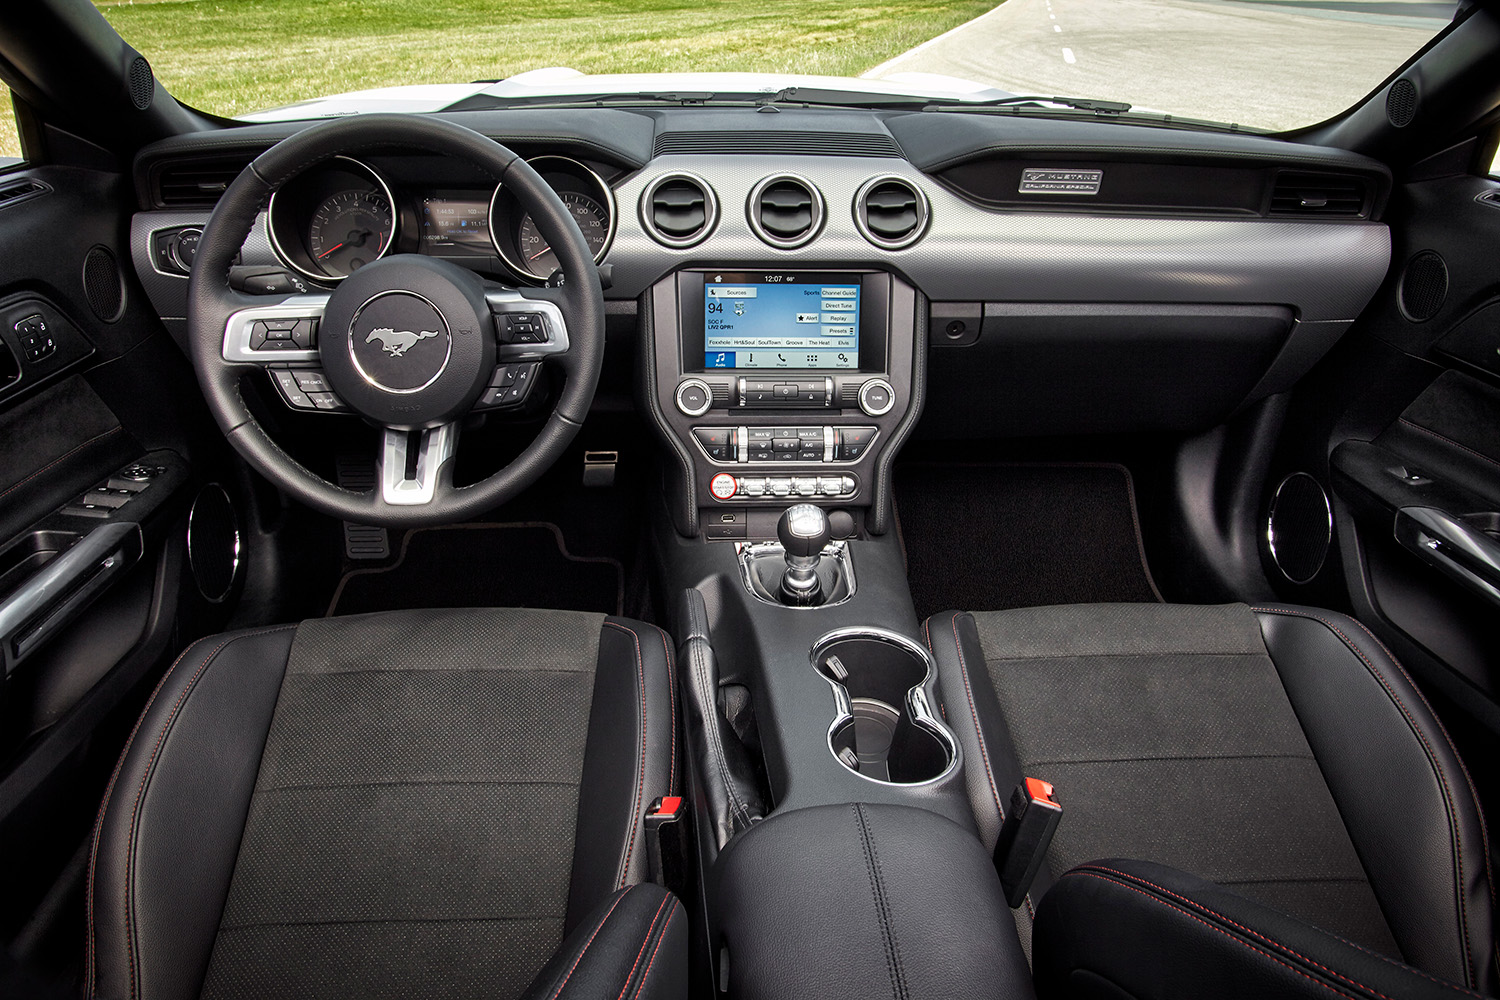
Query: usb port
x=727 y=518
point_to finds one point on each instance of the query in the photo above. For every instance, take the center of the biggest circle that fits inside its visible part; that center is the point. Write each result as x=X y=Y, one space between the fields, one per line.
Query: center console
x=816 y=731
x=773 y=386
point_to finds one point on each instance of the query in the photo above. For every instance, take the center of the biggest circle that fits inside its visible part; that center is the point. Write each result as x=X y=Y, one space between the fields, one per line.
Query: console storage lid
x=864 y=900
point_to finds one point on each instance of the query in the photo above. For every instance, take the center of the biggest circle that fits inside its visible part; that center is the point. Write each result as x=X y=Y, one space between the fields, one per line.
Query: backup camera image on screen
x=780 y=321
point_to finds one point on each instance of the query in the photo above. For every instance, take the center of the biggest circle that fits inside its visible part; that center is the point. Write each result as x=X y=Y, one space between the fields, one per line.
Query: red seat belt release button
x=1025 y=836
x=664 y=840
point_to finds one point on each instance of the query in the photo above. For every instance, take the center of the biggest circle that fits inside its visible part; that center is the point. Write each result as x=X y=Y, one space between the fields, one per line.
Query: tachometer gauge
x=349 y=230
x=536 y=252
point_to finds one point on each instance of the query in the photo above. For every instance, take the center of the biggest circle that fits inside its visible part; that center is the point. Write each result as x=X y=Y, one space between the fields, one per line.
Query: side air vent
x=890 y=212
x=103 y=284
x=19 y=191
x=1332 y=196
x=195 y=185
x=1424 y=286
x=679 y=210
x=785 y=210
x=776 y=143
x=1401 y=103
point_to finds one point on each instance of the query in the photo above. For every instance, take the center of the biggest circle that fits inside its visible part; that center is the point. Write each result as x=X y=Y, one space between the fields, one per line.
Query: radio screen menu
x=769 y=320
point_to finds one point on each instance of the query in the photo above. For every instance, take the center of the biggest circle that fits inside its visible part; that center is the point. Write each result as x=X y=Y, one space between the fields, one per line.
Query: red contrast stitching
x=1448 y=800
x=672 y=709
x=657 y=950
x=60 y=459
x=1274 y=943
x=640 y=770
x=1244 y=944
x=984 y=753
x=649 y=931
x=1444 y=438
x=599 y=927
x=140 y=793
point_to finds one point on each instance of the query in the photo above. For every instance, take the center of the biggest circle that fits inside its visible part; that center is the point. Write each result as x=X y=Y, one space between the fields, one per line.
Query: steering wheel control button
x=286 y=381
x=723 y=486
x=876 y=397
x=509 y=385
x=523 y=328
x=694 y=397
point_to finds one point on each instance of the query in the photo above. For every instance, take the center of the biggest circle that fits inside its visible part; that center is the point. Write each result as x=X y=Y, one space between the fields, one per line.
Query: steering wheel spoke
x=529 y=327
x=415 y=464
x=279 y=333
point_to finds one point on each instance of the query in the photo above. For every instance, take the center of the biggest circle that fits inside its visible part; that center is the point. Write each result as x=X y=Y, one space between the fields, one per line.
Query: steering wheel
x=410 y=343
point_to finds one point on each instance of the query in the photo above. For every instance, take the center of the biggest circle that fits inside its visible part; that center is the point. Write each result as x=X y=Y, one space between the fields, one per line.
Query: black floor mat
x=525 y=565
x=988 y=537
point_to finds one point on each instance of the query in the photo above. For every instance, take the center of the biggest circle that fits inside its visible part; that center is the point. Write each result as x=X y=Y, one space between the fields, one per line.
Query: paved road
x=1268 y=63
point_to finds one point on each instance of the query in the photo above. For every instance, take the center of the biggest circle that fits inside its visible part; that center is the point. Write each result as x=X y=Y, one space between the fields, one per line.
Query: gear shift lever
x=803 y=531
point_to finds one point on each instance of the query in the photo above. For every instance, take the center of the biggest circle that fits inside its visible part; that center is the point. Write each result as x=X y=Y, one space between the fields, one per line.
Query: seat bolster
x=1116 y=928
x=632 y=946
x=169 y=828
x=630 y=759
x=1426 y=850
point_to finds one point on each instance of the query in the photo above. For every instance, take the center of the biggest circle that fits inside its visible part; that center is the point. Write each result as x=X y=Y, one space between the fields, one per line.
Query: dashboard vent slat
x=20 y=191
x=891 y=212
x=679 y=210
x=776 y=143
x=194 y=184
x=1340 y=196
x=785 y=210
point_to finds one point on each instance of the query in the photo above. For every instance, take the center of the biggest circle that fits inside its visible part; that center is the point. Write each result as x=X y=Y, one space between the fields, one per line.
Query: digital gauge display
x=457 y=226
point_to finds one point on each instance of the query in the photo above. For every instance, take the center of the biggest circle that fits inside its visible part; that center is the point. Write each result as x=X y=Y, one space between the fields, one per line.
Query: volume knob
x=694 y=397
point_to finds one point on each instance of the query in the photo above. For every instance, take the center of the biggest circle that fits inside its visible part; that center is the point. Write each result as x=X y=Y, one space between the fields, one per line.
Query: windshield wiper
x=1019 y=100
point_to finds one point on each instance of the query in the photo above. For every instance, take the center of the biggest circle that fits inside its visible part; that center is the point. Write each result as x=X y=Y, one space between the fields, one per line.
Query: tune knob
x=876 y=397
x=694 y=397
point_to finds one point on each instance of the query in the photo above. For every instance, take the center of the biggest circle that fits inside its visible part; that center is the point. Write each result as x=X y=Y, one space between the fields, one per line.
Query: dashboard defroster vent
x=194 y=184
x=890 y=212
x=679 y=210
x=766 y=142
x=785 y=210
x=1338 y=196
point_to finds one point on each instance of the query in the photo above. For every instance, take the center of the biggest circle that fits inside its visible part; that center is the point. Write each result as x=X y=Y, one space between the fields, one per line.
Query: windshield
x=1262 y=64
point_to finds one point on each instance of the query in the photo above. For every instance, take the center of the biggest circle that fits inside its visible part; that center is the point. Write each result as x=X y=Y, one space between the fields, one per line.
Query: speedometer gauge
x=536 y=251
x=349 y=230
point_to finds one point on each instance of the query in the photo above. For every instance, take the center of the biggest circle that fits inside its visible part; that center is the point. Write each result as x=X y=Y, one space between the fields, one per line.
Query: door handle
x=1458 y=550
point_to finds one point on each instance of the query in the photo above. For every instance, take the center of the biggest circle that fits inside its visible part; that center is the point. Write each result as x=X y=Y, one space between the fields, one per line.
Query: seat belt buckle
x=665 y=842
x=1024 y=837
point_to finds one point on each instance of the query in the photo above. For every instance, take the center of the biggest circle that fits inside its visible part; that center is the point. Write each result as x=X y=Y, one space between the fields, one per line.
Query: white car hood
x=563 y=83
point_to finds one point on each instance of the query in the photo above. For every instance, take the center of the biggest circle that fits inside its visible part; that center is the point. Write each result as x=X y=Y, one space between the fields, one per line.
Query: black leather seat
x=1280 y=752
x=422 y=803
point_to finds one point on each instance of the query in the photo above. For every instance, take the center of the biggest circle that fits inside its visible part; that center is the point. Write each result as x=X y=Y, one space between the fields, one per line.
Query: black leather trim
x=973 y=713
x=634 y=944
x=1131 y=928
x=630 y=760
x=883 y=511
x=1409 y=805
x=678 y=475
x=732 y=800
x=169 y=827
x=863 y=900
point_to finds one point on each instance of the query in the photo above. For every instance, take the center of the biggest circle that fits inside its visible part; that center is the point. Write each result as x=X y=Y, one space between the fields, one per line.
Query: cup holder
x=884 y=728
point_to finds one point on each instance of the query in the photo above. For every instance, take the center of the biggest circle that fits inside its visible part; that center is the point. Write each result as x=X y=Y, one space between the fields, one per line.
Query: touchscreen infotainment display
x=781 y=320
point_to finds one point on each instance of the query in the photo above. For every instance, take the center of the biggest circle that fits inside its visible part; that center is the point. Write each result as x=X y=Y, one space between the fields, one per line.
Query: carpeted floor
x=521 y=565
x=990 y=536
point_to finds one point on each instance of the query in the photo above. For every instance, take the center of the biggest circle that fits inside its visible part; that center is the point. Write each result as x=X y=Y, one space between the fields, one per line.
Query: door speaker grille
x=103 y=285
x=1299 y=527
x=1424 y=286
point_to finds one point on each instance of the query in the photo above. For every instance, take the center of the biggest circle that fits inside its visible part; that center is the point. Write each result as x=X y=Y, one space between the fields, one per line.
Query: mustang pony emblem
x=397 y=342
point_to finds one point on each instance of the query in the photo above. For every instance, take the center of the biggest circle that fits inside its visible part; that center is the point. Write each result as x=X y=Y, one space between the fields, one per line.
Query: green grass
x=235 y=56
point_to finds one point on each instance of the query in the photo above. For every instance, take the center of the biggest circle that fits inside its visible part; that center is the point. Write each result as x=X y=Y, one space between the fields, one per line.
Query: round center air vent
x=679 y=210
x=785 y=210
x=890 y=212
